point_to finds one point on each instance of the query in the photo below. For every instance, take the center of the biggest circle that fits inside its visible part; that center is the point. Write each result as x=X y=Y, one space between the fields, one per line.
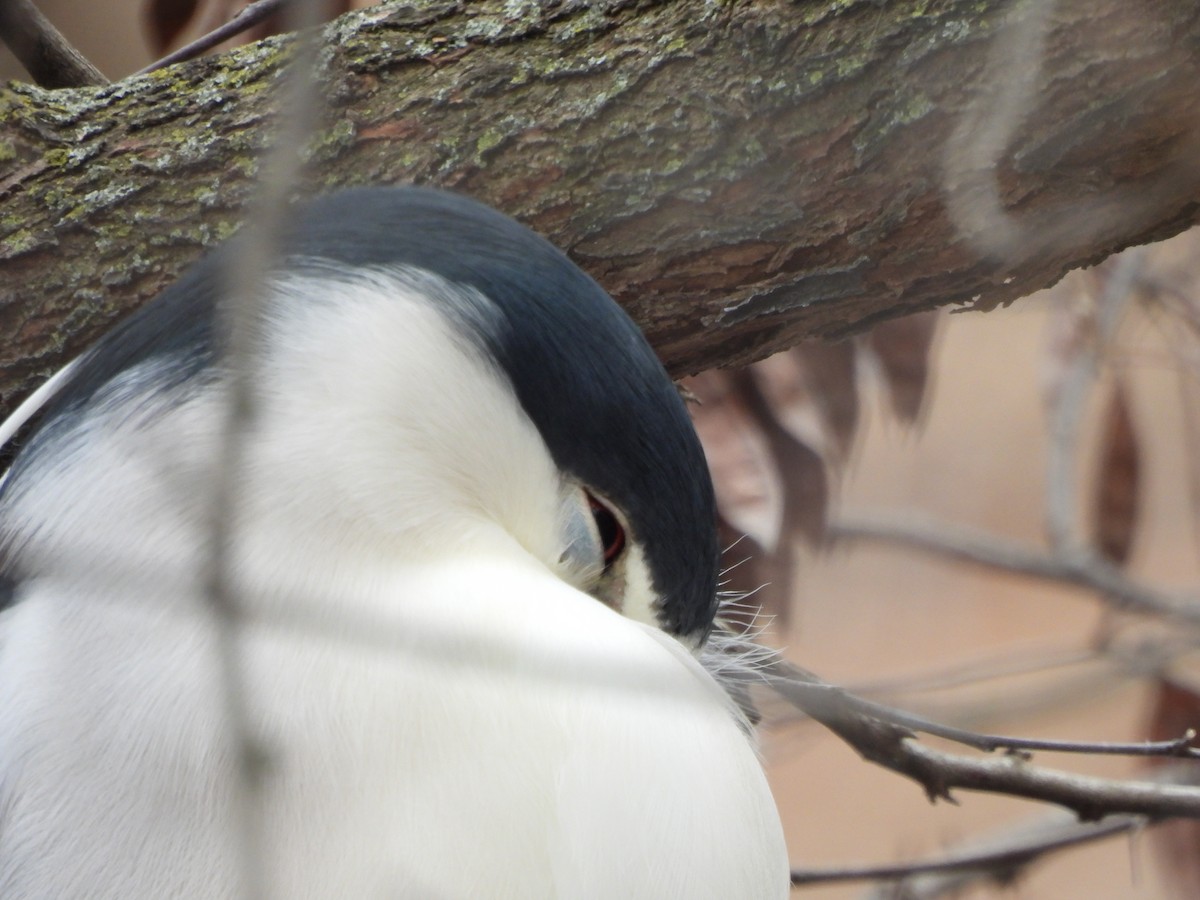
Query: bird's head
x=430 y=374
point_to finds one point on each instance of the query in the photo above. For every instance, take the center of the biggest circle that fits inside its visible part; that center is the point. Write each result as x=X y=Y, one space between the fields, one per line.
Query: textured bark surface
x=739 y=175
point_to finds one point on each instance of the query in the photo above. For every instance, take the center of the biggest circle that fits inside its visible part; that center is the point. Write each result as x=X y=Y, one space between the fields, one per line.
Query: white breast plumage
x=469 y=606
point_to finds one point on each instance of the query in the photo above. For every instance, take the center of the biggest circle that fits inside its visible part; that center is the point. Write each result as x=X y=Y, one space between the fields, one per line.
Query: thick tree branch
x=738 y=175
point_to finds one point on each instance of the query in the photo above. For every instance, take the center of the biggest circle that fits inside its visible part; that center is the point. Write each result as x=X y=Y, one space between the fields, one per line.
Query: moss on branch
x=738 y=175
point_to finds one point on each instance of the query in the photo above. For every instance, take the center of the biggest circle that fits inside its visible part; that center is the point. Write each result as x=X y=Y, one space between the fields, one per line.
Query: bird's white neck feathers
x=383 y=438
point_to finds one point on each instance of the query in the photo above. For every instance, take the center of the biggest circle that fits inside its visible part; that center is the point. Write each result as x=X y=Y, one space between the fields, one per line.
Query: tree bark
x=739 y=175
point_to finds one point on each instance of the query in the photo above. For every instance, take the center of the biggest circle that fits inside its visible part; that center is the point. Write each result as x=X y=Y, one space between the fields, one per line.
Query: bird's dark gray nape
x=581 y=369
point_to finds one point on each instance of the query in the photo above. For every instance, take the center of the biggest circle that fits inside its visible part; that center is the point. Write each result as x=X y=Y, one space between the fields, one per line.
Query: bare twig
x=247 y=18
x=1005 y=665
x=1083 y=568
x=883 y=736
x=1084 y=675
x=997 y=862
x=1054 y=831
x=41 y=48
x=801 y=682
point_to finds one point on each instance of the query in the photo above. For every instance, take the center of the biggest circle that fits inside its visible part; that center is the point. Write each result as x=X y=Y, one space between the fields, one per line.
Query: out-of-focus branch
x=1080 y=567
x=1055 y=832
x=41 y=48
x=997 y=862
x=246 y=277
x=1068 y=402
x=1084 y=676
x=1006 y=664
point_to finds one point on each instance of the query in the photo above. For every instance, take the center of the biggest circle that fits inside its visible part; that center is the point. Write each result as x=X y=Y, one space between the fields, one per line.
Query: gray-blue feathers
x=581 y=369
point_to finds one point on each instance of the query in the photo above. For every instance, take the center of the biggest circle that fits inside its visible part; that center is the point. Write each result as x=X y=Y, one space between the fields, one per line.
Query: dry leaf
x=781 y=380
x=801 y=469
x=1117 y=487
x=739 y=457
x=166 y=20
x=1176 y=708
x=771 y=487
x=830 y=370
x=902 y=347
x=771 y=430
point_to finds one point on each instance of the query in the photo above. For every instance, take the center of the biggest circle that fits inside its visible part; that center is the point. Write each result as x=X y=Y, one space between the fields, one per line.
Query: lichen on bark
x=739 y=175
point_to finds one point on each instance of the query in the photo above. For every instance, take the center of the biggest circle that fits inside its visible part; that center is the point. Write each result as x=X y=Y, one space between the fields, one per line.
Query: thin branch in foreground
x=247 y=18
x=47 y=56
x=1044 y=698
x=1173 y=747
x=1097 y=672
x=1081 y=568
x=246 y=285
x=874 y=732
x=999 y=863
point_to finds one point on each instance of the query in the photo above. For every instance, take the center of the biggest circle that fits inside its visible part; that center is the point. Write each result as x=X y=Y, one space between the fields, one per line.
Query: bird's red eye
x=612 y=535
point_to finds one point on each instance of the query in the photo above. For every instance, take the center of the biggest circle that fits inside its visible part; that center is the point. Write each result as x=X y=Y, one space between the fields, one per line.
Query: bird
x=472 y=553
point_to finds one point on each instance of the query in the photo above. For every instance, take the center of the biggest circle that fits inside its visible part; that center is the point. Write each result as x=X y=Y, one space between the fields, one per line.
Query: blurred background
x=981 y=647
x=945 y=422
